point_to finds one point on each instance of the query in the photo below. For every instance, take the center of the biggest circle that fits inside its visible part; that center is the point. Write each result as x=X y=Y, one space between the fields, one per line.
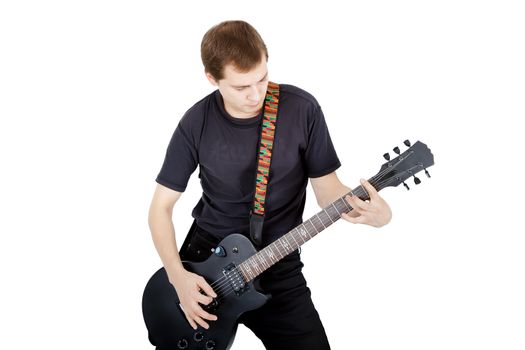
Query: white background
x=91 y=91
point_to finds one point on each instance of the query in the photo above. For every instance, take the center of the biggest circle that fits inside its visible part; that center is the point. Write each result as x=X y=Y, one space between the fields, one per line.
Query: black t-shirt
x=225 y=149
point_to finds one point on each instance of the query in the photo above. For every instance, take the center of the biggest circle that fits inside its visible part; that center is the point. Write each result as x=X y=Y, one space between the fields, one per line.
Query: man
x=220 y=135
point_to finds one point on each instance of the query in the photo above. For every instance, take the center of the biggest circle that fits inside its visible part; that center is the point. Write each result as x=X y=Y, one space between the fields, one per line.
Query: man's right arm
x=162 y=230
x=188 y=285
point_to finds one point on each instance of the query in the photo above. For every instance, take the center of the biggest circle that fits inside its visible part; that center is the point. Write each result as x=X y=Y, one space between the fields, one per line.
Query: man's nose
x=253 y=94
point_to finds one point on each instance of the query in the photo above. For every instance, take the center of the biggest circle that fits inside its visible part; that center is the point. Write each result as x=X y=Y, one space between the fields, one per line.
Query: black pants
x=289 y=319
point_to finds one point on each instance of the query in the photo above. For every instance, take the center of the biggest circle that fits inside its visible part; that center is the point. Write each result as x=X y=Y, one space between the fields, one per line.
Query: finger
x=355 y=220
x=355 y=208
x=353 y=205
x=203 y=299
x=361 y=203
x=372 y=192
x=357 y=203
x=201 y=322
x=206 y=315
x=206 y=287
x=191 y=322
x=345 y=216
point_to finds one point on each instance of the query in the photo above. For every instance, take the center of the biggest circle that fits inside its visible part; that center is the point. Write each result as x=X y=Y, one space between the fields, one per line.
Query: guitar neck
x=392 y=173
x=277 y=250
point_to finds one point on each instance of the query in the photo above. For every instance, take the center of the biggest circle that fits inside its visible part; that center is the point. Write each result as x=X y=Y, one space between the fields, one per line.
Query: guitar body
x=166 y=323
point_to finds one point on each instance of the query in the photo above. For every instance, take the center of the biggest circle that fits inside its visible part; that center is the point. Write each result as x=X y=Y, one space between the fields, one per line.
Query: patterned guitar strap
x=269 y=122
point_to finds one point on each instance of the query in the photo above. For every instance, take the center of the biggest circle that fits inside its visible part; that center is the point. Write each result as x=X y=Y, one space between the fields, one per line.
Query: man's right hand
x=189 y=286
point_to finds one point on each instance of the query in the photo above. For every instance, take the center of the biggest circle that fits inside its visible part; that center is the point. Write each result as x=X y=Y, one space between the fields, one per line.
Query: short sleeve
x=180 y=161
x=320 y=155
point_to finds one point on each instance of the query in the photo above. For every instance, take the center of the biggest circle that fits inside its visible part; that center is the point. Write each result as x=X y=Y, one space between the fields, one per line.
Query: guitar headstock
x=406 y=165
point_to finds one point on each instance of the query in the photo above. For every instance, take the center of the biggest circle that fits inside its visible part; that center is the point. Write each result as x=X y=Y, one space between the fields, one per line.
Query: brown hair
x=231 y=42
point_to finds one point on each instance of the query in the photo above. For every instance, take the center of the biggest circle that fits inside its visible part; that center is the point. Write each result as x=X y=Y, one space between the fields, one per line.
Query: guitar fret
x=346 y=205
x=257 y=257
x=336 y=213
x=313 y=227
x=300 y=233
x=285 y=249
x=278 y=250
x=289 y=244
x=303 y=233
x=270 y=254
x=365 y=191
x=260 y=259
x=266 y=260
x=333 y=205
x=255 y=265
x=341 y=207
x=243 y=273
x=249 y=261
x=282 y=245
x=249 y=270
x=320 y=220
x=291 y=234
x=258 y=266
x=328 y=216
x=328 y=222
x=308 y=232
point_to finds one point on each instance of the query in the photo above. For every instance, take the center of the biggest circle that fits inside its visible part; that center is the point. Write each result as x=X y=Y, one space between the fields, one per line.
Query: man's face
x=243 y=93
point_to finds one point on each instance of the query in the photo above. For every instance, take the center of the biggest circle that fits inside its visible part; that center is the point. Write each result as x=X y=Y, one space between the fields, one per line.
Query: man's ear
x=211 y=79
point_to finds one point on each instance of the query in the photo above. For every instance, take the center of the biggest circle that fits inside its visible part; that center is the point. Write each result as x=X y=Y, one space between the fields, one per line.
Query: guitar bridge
x=235 y=278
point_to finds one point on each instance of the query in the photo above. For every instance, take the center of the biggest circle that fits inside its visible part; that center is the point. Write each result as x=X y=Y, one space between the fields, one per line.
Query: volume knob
x=182 y=344
x=198 y=336
x=210 y=345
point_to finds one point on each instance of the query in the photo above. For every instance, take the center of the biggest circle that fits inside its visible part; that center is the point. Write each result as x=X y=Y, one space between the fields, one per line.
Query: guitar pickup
x=235 y=278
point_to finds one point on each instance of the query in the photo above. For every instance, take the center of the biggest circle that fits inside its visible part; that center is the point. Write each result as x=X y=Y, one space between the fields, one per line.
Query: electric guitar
x=235 y=264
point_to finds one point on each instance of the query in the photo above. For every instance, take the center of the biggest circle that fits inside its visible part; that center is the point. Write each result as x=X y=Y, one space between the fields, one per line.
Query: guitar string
x=222 y=284
x=225 y=289
x=218 y=284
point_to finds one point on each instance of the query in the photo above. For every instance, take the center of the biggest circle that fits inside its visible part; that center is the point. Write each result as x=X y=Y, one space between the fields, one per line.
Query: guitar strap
x=266 y=139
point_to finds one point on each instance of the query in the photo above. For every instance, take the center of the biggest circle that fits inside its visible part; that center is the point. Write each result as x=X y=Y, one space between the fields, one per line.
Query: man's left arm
x=374 y=212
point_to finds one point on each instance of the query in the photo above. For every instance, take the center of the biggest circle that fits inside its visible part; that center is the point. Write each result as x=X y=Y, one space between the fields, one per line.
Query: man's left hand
x=374 y=212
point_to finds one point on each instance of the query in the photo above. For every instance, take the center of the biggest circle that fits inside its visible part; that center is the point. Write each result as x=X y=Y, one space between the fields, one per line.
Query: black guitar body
x=167 y=326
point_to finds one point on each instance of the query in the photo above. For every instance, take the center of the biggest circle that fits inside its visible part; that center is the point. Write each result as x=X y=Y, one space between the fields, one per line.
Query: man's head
x=234 y=57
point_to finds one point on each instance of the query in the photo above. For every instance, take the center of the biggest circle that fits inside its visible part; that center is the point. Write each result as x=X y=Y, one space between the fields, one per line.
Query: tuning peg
x=426 y=172
x=396 y=149
x=386 y=156
x=407 y=143
x=417 y=181
x=406 y=186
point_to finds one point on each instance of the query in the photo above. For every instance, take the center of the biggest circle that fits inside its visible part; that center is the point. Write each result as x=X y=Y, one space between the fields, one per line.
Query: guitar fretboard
x=277 y=250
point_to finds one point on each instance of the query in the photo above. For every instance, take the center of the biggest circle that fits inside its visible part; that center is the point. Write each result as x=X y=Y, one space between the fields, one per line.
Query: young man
x=220 y=135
